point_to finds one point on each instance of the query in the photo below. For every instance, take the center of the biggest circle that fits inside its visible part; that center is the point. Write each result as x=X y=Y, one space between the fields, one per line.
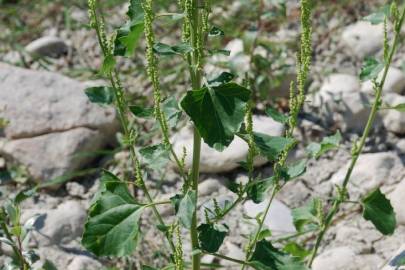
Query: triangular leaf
x=258 y=189
x=371 y=68
x=267 y=257
x=377 y=209
x=112 y=228
x=100 y=94
x=155 y=156
x=276 y=115
x=307 y=214
x=186 y=208
x=211 y=236
x=271 y=146
x=217 y=112
x=328 y=143
x=129 y=34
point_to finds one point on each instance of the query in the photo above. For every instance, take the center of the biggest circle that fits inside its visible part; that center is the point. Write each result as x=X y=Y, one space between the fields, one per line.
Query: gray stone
x=213 y=161
x=51 y=120
x=394 y=120
x=84 y=263
x=340 y=83
x=47 y=46
x=208 y=186
x=394 y=83
x=61 y=225
x=362 y=38
x=279 y=219
x=397 y=198
x=39 y=102
x=371 y=171
x=344 y=258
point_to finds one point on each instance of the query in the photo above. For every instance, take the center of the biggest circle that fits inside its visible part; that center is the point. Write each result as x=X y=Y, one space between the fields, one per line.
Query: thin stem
x=229 y=258
x=259 y=229
x=196 y=75
x=121 y=109
x=17 y=251
x=359 y=147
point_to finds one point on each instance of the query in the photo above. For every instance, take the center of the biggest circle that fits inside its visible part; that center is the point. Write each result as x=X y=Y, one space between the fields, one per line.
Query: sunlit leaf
x=370 y=69
x=100 y=94
x=217 y=112
x=377 y=209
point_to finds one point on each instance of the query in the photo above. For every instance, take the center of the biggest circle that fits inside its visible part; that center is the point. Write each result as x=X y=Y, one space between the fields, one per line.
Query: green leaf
x=172 y=112
x=271 y=146
x=294 y=170
x=141 y=111
x=296 y=250
x=25 y=194
x=167 y=50
x=263 y=234
x=219 y=51
x=267 y=257
x=379 y=16
x=48 y=265
x=211 y=236
x=108 y=65
x=370 y=69
x=377 y=209
x=186 y=208
x=307 y=214
x=155 y=156
x=100 y=94
x=217 y=112
x=112 y=228
x=223 y=78
x=128 y=35
x=257 y=190
x=276 y=115
x=399 y=107
x=328 y=143
x=146 y=267
x=216 y=32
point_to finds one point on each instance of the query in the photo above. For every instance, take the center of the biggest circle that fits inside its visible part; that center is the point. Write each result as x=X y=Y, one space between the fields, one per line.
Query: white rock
x=341 y=103
x=84 y=263
x=51 y=120
x=213 y=161
x=39 y=102
x=57 y=226
x=54 y=154
x=75 y=189
x=394 y=83
x=394 y=120
x=344 y=258
x=279 y=219
x=233 y=251
x=371 y=171
x=394 y=262
x=340 y=83
x=208 y=186
x=47 y=46
x=362 y=38
x=397 y=199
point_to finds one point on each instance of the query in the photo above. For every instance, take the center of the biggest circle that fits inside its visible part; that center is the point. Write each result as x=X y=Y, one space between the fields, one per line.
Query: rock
x=394 y=83
x=233 y=251
x=396 y=262
x=344 y=258
x=84 y=263
x=47 y=46
x=61 y=225
x=213 y=161
x=371 y=171
x=208 y=186
x=279 y=219
x=400 y=146
x=60 y=104
x=340 y=83
x=341 y=103
x=69 y=258
x=397 y=199
x=394 y=120
x=75 y=189
x=51 y=155
x=46 y=138
x=362 y=38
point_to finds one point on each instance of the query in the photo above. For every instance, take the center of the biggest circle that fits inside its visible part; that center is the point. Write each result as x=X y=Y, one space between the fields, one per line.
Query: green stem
x=121 y=108
x=17 y=251
x=359 y=148
x=229 y=258
x=196 y=84
x=259 y=229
